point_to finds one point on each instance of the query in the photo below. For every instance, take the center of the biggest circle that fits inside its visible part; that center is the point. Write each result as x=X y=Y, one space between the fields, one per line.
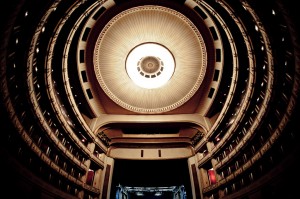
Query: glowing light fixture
x=159 y=193
x=150 y=65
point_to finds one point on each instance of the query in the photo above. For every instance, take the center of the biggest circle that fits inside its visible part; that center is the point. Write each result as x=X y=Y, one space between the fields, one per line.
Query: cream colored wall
x=150 y=153
x=193 y=161
x=107 y=161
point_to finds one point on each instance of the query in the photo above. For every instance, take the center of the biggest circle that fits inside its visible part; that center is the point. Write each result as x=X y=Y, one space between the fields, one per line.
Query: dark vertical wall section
x=106 y=182
x=196 y=182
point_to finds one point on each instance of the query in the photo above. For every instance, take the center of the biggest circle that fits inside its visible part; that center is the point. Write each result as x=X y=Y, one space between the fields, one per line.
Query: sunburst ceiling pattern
x=140 y=26
x=67 y=97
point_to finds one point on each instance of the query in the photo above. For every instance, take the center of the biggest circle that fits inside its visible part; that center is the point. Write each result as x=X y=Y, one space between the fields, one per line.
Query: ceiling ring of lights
x=159 y=26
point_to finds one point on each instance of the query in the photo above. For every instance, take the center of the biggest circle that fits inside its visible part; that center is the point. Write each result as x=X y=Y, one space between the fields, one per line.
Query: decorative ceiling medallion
x=143 y=46
x=150 y=65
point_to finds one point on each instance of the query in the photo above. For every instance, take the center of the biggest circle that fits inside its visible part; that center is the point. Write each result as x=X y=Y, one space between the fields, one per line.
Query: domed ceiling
x=150 y=34
x=203 y=76
x=117 y=52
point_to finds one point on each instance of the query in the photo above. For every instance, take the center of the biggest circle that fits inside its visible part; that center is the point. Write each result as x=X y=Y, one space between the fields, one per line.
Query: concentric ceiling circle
x=150 y=59
x=150 y=65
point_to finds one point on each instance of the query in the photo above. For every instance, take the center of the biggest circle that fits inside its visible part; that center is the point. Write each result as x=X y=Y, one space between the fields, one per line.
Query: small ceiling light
x=139 y=193
x=159 y=193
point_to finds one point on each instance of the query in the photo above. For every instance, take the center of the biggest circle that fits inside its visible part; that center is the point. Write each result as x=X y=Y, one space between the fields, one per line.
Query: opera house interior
x=169 y=99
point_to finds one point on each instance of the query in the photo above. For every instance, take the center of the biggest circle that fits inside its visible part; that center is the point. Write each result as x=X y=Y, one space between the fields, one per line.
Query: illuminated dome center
x=150 y=65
